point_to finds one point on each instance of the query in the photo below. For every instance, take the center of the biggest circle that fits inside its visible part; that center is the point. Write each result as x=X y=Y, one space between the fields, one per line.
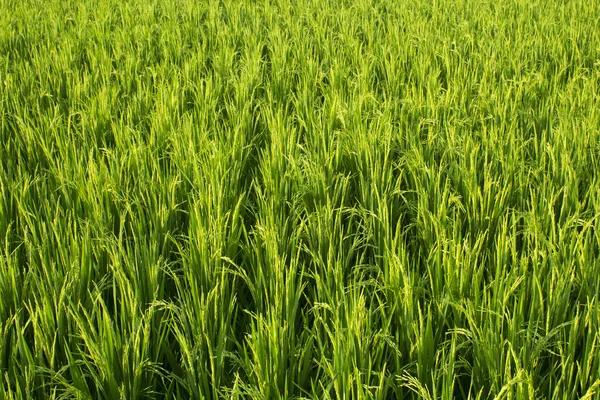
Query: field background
x=317 y=199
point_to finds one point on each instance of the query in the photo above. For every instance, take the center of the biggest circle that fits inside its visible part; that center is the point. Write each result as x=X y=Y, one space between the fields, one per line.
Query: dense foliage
x=300 y=199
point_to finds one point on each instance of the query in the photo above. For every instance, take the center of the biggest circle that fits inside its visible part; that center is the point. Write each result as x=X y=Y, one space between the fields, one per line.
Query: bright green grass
x=365 y=199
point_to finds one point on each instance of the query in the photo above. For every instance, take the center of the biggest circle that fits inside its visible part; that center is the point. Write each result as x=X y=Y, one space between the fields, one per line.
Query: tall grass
x=315 y=199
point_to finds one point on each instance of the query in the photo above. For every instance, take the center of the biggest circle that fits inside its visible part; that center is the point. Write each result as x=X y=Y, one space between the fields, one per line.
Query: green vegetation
x=322 y=199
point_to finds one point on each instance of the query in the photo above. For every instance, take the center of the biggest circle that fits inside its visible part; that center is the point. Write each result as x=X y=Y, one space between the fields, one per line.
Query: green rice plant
x=311 y=199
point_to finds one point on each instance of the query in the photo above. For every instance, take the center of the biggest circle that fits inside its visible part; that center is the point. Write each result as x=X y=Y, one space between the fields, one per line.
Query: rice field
x=311 y=199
